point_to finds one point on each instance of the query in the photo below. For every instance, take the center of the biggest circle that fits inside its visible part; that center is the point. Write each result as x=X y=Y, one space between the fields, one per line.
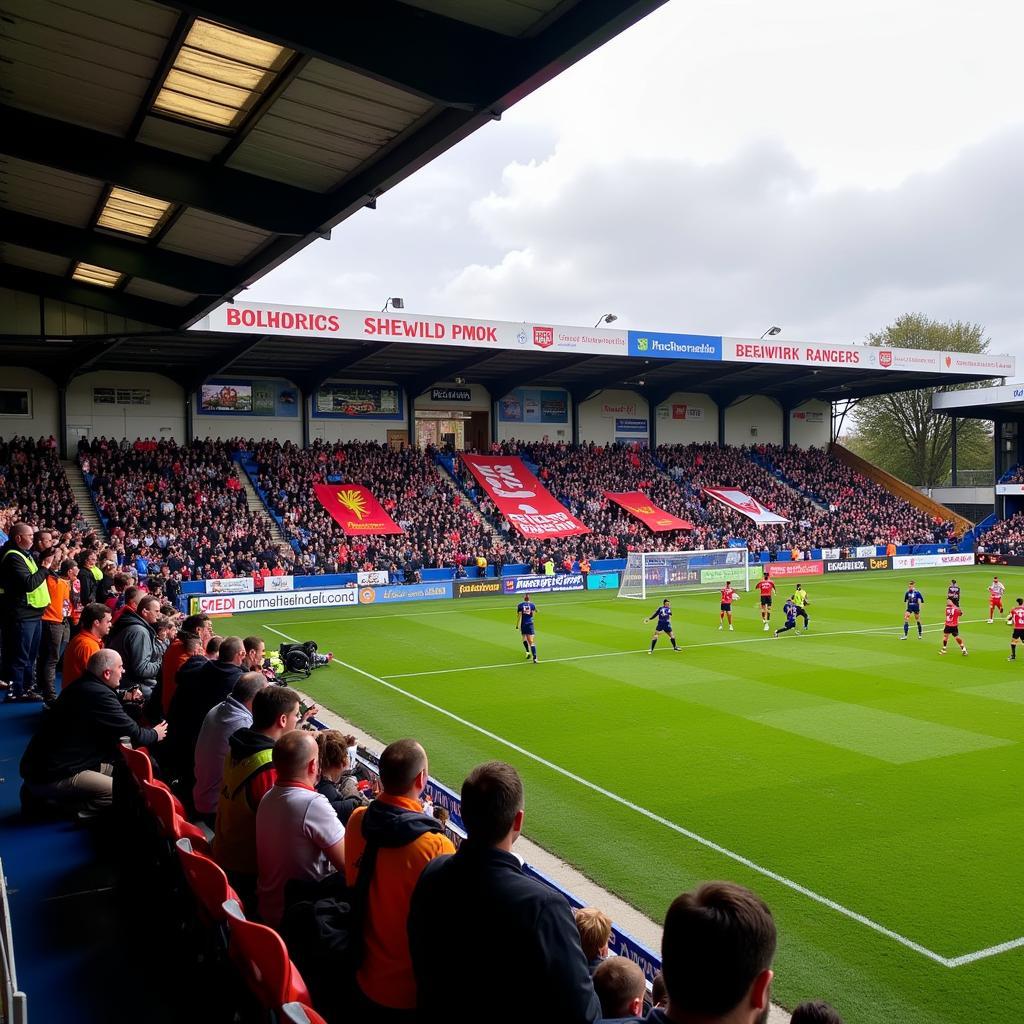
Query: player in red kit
x=725 y=609
x=952 y=628
x=1016 y=619
x=995 y=597
x=766 y=588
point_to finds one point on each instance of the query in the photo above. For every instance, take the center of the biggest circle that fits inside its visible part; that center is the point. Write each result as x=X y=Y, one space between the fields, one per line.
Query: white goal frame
x=636 y=582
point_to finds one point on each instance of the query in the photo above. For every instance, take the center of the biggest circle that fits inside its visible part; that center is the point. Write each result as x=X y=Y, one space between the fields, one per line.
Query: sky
x=721 y=167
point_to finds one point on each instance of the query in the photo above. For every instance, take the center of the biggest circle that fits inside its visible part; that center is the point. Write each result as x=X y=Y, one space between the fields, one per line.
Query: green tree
x=899 y=432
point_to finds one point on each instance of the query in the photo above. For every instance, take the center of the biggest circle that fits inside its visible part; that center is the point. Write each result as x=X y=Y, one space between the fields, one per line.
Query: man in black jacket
x=134 y=638
x=478 y=907
x=70 y=759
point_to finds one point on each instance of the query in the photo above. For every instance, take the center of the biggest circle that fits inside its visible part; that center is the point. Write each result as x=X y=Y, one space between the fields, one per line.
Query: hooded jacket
x=135 y=640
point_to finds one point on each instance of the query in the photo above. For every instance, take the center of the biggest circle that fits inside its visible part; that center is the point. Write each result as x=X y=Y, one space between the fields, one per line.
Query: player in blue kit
x=525 y=612
x=913 y=599
x=663 y=625
x=790 y=610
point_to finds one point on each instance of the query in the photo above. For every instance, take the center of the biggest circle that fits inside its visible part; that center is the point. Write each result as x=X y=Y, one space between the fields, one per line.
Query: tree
x=899 y=432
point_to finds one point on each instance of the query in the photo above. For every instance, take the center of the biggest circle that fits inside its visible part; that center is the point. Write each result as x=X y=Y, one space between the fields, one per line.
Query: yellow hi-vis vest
x=97 y=572
x=40 y=597
x=234 y=841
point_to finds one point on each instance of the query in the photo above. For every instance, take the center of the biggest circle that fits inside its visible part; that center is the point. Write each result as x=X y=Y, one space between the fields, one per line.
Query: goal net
x=667 y=572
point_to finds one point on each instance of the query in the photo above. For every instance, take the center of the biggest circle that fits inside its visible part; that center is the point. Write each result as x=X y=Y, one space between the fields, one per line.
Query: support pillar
x=306 y=399
x=410 y=418
x=494 y=421
x=188 y=415
x=721 y=424
x=952 y=451
x=787 y=416
x=62 y=420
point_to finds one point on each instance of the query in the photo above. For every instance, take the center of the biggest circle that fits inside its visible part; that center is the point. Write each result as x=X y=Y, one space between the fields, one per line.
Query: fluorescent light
x=219 y=75
x=132 y=213
x=100 y=276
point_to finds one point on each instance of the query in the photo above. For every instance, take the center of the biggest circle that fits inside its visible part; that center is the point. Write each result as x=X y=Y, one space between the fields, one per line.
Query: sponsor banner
x=1009 y=488
x=521 y=498
x=612 y=410
x=745 y=505
x=541 y=584
x=603 y=581
x=808 y=417
x=637 y=504
x=240 y=585
x=803 y=353
x=476 y=588
x=659 y=345
x=926 y=561
x=994 y=558
x=865 y=551
x=827 y=553
x=630 y=426
x=857 y=564
x=413 y=592
x=681 y=411
x=376 y=578
x=403 y=328
x=247 y=398
x=780 y=569
x=360 y=401
x=278 y=584
x=355 y=510
x=533 y=405
x=451 y=395
x=235 y=604
x=727 y=574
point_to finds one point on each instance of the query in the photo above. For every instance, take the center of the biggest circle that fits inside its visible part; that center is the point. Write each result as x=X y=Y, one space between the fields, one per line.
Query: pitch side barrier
x=621 y=943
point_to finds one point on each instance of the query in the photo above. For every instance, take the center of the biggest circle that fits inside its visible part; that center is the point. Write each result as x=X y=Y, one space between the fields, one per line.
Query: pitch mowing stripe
x=710 y=844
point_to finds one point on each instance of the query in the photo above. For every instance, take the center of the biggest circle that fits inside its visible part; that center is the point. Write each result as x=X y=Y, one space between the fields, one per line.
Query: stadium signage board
x=373 y=578
x=277 y=584
x=726 y=574
x=864 y=551
x=994 y=558
x=235 y=604
x=660 y=345
x=857 y=564
x=1009 y=488
x=603 y=581
x=451 y=395
x=811 y=568
x=239 y=585
x=541 y=584
x=476 y=588
x=927 y=561
x=412 y=592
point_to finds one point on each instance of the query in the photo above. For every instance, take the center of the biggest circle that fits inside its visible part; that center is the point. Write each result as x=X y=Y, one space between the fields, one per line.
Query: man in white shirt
x=298 y=835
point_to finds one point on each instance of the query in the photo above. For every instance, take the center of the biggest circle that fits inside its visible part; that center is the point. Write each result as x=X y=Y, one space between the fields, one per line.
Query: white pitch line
x=724 y=851
x=619 y=654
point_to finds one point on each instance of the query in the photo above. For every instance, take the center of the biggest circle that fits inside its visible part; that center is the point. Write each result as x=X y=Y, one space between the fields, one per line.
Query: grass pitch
x=869 y=789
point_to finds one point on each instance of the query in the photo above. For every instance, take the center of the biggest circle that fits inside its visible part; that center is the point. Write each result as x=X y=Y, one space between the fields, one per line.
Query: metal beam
x=323 y=373
x=236 y=195
x=224 y=360
x=446 y=371
x=159 y=314
x=137 y=260
x=546 y=369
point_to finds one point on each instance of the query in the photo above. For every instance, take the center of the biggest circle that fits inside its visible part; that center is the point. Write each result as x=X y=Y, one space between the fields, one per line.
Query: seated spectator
x=406 y=840
x=340 y=790
x=134 y=637
x=255 y=652
x=716 y=953
x=620 y=986
x=479 y=908
x=175 y=656
x=659 y=994
x=93 y=625
x=595 y=928
x=70 y=759
x=815 y=1012
x=248 y=776
x=299 y=838
x=220 y=724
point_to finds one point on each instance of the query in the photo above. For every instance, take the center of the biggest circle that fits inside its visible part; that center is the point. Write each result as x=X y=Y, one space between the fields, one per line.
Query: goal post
x=673 y=572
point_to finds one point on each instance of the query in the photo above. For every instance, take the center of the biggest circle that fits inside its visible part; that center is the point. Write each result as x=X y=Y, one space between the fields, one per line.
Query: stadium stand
x=33 y=482
x=1005 y=537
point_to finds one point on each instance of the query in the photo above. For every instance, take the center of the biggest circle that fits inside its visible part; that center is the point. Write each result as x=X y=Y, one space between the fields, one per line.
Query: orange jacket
x=386 y=974
x=82 y=647
x=59 y=607
x=174 y=658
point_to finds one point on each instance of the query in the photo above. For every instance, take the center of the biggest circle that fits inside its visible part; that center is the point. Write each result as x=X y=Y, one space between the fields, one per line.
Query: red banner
x=779 y=569
x=355 y=510
x=745 y=505
x=636 y=503
x=521 y=498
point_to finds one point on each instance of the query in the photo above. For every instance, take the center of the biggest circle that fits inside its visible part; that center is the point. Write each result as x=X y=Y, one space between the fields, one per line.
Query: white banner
x=233 y=604
x=276 y=584
x=239 y=585
x=865 y=551
x=927 y=561
x=376 y=578
x=831 y=553
x=411 y=328
x=745 y=505
x=1009 y=488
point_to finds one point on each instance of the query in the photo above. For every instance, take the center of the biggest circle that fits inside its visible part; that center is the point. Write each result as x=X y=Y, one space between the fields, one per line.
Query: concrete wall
x=163 y=417
x=44 y=419
x=678 y=424
x=757 y=412
x=810 y=425
x=598 y=416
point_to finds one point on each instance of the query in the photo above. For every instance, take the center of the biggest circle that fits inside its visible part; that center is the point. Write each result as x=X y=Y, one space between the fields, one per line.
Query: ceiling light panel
x=132 y=213
x=87 y=273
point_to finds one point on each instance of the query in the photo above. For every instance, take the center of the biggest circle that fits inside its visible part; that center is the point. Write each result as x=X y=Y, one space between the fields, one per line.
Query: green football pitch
x=868 y=788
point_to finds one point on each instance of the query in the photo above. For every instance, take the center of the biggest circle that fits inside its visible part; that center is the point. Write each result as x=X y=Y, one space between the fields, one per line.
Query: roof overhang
x=1004 y=402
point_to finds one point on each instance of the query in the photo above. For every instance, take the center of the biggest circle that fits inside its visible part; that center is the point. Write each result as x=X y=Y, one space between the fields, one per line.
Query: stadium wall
x=223 y=425
x=687 y=418
x=602 y=418
x=754 y=420
x=42 y=419
x=162 y=417
x=810 y=425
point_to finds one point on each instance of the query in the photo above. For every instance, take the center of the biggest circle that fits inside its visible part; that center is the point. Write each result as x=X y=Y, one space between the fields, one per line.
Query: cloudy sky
x=723 y=166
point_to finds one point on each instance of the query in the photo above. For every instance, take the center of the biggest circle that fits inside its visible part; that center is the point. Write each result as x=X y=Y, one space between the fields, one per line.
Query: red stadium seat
x=260 y=955
x=138 y=763
x=297 y=1013
x=166 y=808
x=207 y=880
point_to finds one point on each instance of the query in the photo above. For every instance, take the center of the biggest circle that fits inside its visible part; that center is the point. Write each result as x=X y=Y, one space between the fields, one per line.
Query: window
x=120 y=396
x=15 y=402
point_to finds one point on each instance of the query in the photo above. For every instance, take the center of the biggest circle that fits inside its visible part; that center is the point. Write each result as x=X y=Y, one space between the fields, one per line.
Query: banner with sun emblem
x=355 y=510
x=745 y=505
x=636 y=503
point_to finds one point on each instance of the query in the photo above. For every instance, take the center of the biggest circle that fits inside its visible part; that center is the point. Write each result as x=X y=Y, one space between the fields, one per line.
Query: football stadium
x=272 y=752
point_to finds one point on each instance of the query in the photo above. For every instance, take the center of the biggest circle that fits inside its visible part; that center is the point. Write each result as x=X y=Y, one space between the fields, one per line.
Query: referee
x=799 y=598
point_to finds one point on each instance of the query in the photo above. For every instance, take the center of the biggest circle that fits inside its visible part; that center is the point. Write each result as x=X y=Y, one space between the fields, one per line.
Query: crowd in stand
x=1005 y=538
x=32 y=481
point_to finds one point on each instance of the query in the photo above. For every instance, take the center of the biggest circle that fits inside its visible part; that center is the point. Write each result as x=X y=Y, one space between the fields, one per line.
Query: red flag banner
x=636 y=503
x=355 y=510
x=521 y=498
x=745 y=505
